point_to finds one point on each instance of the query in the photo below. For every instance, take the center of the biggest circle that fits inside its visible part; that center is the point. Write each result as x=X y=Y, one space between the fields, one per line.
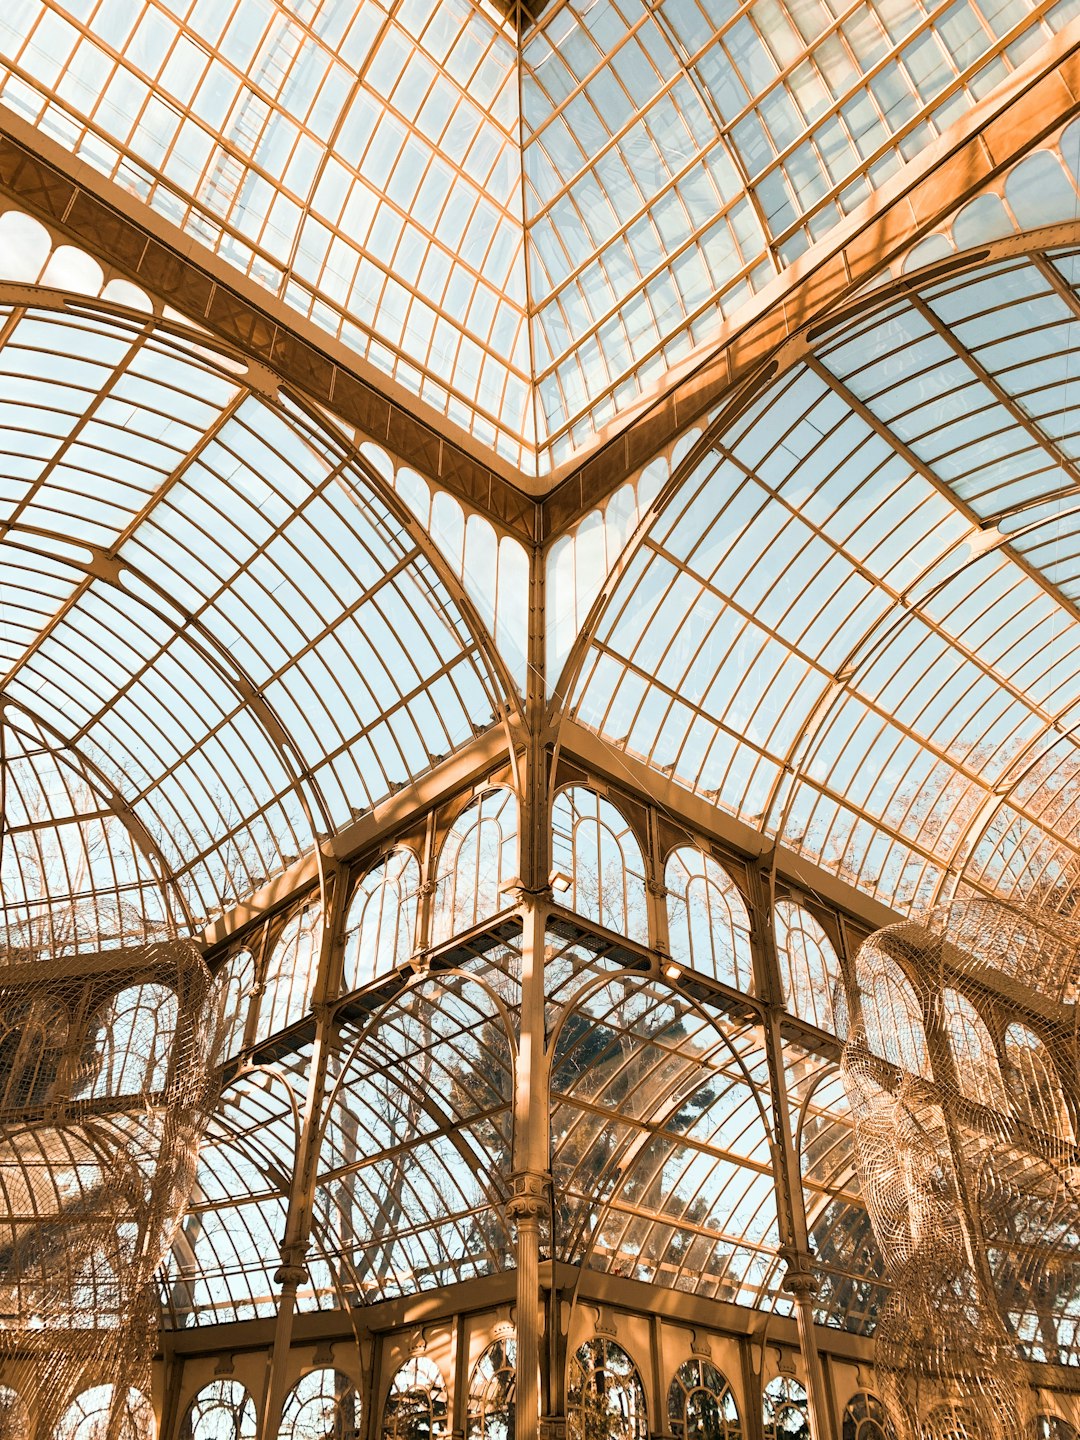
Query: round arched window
x=1052 y=1427
x=100 y=1414
x=491 y=1392
x=416 y=1404
x=785 y=1413
x=606 y=1399
x=701 y=1405
x=865 y=1418
x=14 y=1420
x=222 y=1410
x=322 y=1405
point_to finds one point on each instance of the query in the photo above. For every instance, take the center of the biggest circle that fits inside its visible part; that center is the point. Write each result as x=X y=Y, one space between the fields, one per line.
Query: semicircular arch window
x=492 y=1389
x=865 y=1418
x=222 y=1410
x=809 y=965
x=605 y=1399
x=977 y=1071
x=14 y=1416
x=708 y=922
x=380 y=929
x=234 y=985
x=1051 y=1427
x=290 y=973
x=1034 y=1088
x=322 y=1405
x=785 y=1411
x=134 y=1033
x=478 y=855
x=100 y=1414
x=599 y=860
x=416 y=1406
x=891 y=1014
x=701 y=1403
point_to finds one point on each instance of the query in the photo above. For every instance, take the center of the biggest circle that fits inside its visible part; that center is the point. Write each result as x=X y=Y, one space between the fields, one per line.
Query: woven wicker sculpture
x=964 y=1137
x=106 y=1069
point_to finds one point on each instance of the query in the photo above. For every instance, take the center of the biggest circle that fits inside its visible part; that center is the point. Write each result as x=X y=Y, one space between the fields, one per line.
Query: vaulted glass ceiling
x=210 y=607
x=526 y=230
x=853 y=624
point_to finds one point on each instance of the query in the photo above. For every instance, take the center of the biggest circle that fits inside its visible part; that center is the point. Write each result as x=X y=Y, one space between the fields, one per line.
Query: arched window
x=973 y=1052
x=1052 y=1427
x=700 y=1403
x=222 y=1410
x=14 y=1418
x=708 y=922
x=891 y=1014
x=491 y=1392
x=478 y=855
x=785 y=1413
x=33 y=1033
x=865 y=1418
x=598 y=853
x=234 y=985
x=133 y=1034
x=606 y=1399
x=291 y=972
x=416 y=1405
x=99 y=1415
x=323 y=1405
x=951 y=1421
x=1034 y=1088
x=380 y=931
x=809 y=965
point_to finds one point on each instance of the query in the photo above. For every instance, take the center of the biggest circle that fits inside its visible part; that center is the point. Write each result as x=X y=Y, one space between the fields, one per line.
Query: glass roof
x=853 y=625
x=68 y=838
x=529 y=230
x=208 y=602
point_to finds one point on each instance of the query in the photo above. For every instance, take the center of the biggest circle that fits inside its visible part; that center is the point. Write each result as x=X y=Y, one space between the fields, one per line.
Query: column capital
x=529 y=1198
x=292 y=1272
x=800 y=1279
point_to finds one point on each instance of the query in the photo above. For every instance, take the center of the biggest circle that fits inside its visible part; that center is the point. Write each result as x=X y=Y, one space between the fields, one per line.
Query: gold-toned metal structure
x=527 y=532
x=968 y=1166
x=107 y=1077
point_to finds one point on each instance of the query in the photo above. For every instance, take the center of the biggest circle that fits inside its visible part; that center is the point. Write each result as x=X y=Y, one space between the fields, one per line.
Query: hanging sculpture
x=107 y=1066
x=965 y=1149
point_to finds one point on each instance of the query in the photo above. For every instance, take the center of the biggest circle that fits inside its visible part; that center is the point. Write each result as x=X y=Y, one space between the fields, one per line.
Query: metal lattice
x=107 y=1070
x=966 y=1153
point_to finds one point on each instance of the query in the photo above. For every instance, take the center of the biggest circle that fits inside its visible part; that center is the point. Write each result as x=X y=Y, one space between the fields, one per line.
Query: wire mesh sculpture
x=107 y=1078
x=960 y=1065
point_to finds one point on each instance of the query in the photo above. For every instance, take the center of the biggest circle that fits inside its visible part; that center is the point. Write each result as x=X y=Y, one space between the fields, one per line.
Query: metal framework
x=528 y=532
